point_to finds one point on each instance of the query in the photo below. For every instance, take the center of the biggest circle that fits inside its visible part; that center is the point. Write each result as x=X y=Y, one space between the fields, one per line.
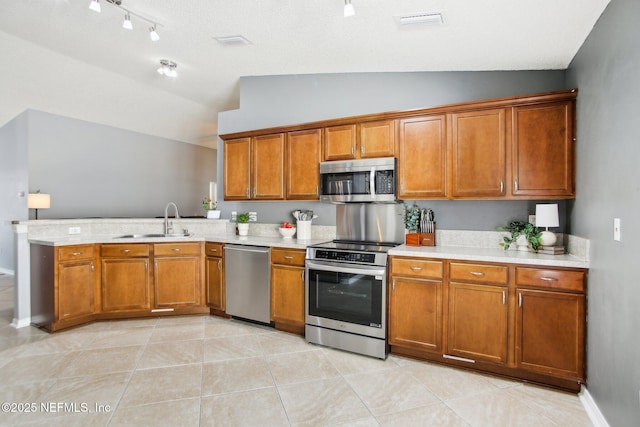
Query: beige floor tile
x=364 y=422
x=231 y=347
x=565 y=409
x=107 y=325
x=121 y=337
x=163 y=384
x=450 y=383
x=390 y=390
x=103 y=360
x=498 y=408
x=181 y=320
x=322 y=402
x=22 y=393
x=178 y=332
x=235 y=375
x=226 y=327
x=249 y=408
x=174 y=413
x=34 y=368
x=75 y=420
x=436 y=415
x=163 y=354
x=282 y=342
x=59 y=342
x=349 y=363
x=297 y=367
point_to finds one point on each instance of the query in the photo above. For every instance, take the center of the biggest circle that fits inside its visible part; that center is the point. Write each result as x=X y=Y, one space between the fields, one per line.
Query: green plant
x=521 y=228
x=243 y=218
x=208 y=205
x=411 y=217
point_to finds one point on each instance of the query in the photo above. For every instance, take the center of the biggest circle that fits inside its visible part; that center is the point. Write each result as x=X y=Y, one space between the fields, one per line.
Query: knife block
x=421 y=239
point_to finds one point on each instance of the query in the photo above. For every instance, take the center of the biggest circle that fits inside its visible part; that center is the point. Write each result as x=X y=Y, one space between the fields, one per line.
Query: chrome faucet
x=167 y=224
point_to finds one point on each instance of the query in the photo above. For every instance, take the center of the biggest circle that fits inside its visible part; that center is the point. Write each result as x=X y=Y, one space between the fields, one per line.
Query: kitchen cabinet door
x=237 y=169
x=478 y=154
x=176 y=281
x=550 y=337
x=303 y=157
x=287 y=294
x=267 y=167
x=125 y=284
x=340 y=142
x=422 y=157
x=377 y=139
x=477 y=327
x=415 y=314
x=543 y=150
x=75 y=290
x=215 y=283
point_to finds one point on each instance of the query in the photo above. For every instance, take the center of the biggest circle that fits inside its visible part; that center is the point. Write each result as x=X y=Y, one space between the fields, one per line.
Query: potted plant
x=524 y=234
x=210 y=207
x=243 y=223
x=411 y=218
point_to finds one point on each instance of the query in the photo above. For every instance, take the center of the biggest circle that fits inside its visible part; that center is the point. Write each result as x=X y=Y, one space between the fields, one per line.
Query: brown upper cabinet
x=478 y=153
x=543 y=150
x=364 y=140
x=509 y=148
x=254 y=168
x=303 y=156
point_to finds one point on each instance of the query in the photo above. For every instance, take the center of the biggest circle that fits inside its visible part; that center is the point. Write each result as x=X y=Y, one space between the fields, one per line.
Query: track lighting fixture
x=95 y=6
x=127 y=24
x=348 y=9
x=168 y=68
x=153 y=34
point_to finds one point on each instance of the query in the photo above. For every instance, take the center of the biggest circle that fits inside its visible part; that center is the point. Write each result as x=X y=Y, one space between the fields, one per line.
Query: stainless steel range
x=346 y=280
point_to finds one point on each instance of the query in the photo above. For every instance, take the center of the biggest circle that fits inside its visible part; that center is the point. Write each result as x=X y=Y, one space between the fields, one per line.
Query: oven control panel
x=357 y=257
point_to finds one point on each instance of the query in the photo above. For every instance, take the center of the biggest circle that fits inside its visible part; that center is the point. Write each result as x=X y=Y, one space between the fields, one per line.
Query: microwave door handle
x=372 y=183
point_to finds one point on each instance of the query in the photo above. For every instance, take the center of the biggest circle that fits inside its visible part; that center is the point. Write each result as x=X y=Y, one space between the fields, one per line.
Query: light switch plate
x=253 y=216
x=234 y=215
x=74 y=230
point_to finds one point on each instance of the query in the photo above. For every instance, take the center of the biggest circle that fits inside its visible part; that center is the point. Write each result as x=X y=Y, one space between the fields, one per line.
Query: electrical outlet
x=234 y=215
x=616 y=229
x=253 y=216
x=74 y=230
x=532 y=219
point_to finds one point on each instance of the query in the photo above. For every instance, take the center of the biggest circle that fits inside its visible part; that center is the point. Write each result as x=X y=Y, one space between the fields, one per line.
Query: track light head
x=168 y=68
x=349 y=10
x=127 y=24
x=153 y=34
x=95 y=6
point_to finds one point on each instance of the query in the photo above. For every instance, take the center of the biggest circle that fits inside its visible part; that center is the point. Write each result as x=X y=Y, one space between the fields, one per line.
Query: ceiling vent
x=232 y=40
x=431 y=19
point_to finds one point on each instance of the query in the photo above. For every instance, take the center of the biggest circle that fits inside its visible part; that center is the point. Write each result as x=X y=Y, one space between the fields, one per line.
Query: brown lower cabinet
x=177 y=275
x=214 y=274
x=519 y=321
x=126 y=278
x=287 y=289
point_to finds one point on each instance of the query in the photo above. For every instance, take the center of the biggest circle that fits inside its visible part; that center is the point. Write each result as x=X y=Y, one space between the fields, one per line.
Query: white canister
x=304 y=230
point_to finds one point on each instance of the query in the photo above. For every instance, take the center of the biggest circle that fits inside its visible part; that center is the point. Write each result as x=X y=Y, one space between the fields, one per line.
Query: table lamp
x=39 y=200
x=547 y=216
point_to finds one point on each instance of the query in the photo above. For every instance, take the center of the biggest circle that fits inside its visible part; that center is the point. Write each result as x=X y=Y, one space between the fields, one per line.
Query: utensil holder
x=304 y=230
x=421 y=239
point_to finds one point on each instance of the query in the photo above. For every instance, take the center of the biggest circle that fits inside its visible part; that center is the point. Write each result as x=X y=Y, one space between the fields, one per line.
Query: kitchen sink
x=142 y=236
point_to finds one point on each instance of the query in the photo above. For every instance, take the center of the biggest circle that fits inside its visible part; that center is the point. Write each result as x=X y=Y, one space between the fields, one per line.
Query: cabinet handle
x=317 y=192
x=219 y=264
x=255 y=191
x=504 y=297
x=175 y=249
x=155 y=263
x=519 y=300
x=362 y=148
x=288 y=257
x=414 y=268
x=477 y=273
x=76 y=253
x=501 y=186
x=515 y=186
x=352 y=150
x=125 y=251
x=549 y=279
x=302 y=277
x=247 y=192
x=92 y=268
x=146 y=265
x=213 y=250
x=393 y=285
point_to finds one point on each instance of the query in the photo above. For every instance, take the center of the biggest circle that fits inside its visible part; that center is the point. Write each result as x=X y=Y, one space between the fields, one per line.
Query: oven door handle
x=341 y=268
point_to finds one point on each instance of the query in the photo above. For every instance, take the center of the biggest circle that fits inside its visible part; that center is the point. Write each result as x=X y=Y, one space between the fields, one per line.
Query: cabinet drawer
x=416 y=268
x=479 y=273
x=176 y=249
x=552 y=279
x=213 y=249
x=287 y=256
x=127 y=250
x=75 y=252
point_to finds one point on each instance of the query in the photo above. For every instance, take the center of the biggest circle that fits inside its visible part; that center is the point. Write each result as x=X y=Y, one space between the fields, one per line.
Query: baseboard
x=592 y=409
x=6 y=271
x=20 y=323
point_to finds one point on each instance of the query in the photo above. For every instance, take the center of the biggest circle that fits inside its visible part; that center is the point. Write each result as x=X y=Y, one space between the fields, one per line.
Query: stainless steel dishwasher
x=247 y=282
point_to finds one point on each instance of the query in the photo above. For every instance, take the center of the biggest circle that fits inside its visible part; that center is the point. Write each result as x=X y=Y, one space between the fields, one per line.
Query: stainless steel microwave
x=364 y=180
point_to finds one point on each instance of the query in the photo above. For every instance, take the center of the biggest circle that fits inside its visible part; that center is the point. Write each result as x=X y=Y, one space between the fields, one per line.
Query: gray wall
x=14 y=181
x=282 y=100
x=606 y=72
x=93 y=170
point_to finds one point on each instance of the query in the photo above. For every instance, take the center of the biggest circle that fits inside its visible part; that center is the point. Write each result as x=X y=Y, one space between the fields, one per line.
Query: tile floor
x=201 y=371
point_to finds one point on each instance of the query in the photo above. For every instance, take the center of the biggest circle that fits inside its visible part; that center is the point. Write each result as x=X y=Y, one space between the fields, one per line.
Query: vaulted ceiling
x=59 y=56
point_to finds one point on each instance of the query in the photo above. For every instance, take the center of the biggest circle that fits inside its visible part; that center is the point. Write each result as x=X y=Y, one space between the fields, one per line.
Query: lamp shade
x=39 y=201
x=547 y=215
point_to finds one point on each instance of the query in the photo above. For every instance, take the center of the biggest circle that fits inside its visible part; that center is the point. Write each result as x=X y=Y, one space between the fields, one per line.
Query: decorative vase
x=213 y=214
x=522 y=243
x=243 y=229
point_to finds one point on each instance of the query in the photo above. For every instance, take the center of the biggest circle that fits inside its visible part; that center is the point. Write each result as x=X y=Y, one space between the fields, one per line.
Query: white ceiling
x=67 y=59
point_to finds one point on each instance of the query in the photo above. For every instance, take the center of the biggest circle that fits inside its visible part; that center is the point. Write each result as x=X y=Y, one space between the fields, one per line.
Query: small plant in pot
x=243 y=223
x=524 y=234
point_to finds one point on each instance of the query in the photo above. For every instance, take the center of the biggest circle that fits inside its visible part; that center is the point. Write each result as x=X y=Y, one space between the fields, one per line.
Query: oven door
x=346 y=297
